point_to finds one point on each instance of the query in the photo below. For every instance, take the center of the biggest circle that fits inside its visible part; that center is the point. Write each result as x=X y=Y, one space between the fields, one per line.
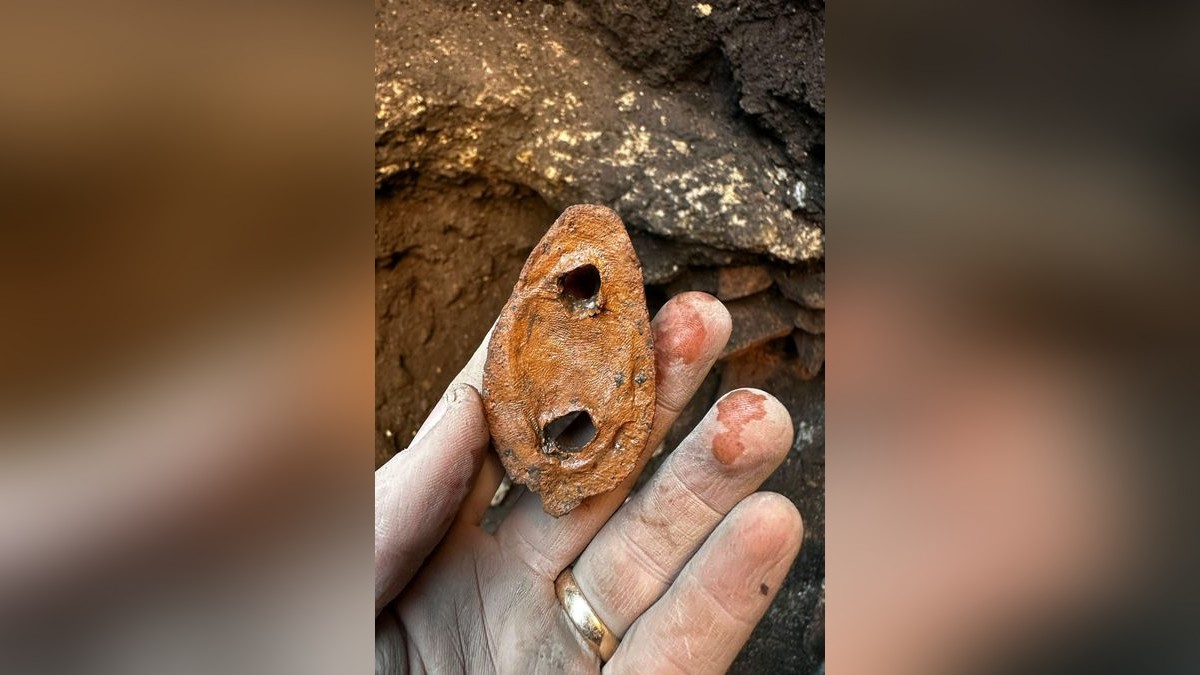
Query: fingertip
x=692 y=328
x=716 y=315
x=778 y=423
x=689 y=333
x=466 y=406
x=772 y=525
x=461 y=392
x=719 y=314
x=751 y=422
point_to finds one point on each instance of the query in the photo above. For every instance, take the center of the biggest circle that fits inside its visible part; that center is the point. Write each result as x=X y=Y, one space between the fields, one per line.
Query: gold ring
x=583 y=617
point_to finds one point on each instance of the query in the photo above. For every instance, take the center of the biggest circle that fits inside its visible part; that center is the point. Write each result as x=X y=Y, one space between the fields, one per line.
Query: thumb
x=419 y=491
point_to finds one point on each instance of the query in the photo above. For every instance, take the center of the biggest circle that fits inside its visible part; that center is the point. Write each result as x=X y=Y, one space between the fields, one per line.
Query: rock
x=757 y=320
x=568 y=384
x=774 y=48
x=780 y=64
x=739 y=282
x=660 y=39
x=727 y=283
x=663 y=259
x=754 y=367
x=803 y=287
x=814 y=635
x=810 y=320
x=703 y=279
x=811 y=351
x=533 y=100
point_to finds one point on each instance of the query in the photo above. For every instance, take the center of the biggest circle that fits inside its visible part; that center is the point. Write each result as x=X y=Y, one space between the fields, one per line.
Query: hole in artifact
x=580 y=285
x=570 y=432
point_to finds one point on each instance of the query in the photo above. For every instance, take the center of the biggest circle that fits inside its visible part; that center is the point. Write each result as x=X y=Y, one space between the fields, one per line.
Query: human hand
x=680 y=573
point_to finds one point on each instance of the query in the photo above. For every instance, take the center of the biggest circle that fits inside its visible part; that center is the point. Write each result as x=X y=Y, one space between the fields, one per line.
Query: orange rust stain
x=683 y=335
x=734 y=413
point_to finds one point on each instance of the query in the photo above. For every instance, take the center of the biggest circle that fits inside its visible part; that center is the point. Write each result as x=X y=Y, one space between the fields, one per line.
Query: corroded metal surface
x=569 y=382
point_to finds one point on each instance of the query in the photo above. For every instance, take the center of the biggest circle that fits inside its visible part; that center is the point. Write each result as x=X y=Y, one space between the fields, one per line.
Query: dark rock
x=757 y=320
x=810 y=320
x=739 y=282
x=754 y=367
x=773 y=50
x=662 y=39
x=814 y=635
x=803 y=287
x=811 y=351
x=664 y=259
x=780 y=65
x=703 y=279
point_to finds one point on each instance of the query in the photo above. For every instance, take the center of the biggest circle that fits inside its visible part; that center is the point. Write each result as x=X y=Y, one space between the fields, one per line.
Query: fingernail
x=452 y=397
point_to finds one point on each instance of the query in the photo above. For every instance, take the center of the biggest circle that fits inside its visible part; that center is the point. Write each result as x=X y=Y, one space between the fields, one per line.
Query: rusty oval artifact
x=569 y=381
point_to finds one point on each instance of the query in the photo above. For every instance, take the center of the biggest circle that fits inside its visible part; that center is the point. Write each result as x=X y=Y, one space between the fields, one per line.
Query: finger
x=418 y=492
x=481 y=492
x=701 y=623
x=639 y=552
x=480 y=497
x=689 y=333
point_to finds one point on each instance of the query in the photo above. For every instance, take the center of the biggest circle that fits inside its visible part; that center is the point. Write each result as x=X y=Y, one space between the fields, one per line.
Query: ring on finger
x=583 y=617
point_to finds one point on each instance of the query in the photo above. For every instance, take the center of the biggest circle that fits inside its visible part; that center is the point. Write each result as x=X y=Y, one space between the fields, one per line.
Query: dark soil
x=447 y=256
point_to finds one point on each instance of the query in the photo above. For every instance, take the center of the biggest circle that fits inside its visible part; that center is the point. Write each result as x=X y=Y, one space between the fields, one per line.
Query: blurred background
x=185 y=341
x=702 y=124
x=1013 y=303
